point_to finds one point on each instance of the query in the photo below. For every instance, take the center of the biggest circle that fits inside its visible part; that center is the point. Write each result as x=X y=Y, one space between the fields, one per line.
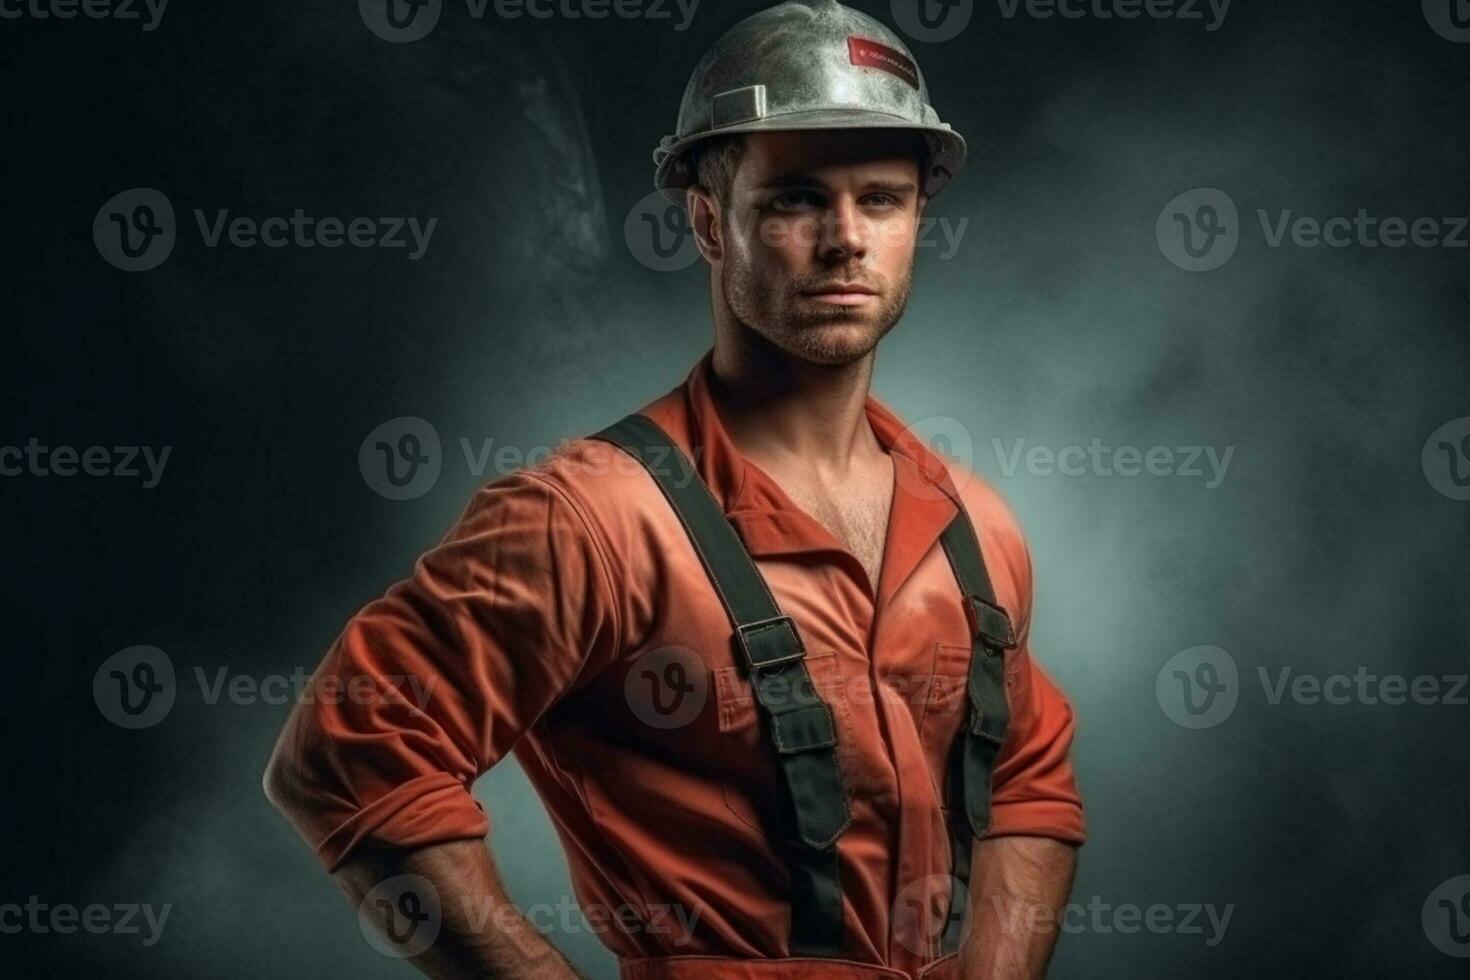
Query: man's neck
x=785 y=411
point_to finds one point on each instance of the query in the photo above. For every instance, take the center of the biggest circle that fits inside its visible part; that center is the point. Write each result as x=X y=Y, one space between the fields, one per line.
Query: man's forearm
x=1018 y=886
x=481 y=933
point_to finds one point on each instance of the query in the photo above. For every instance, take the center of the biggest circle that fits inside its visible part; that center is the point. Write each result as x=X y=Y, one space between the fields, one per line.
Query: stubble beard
x=831 y=335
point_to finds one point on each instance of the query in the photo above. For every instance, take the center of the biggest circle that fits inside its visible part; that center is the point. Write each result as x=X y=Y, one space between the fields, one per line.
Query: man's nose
x=844 y=232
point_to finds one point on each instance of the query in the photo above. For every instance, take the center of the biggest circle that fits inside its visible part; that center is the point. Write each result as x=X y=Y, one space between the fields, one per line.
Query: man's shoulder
x=604 y=484
x=588 y=469
x=1002 y=539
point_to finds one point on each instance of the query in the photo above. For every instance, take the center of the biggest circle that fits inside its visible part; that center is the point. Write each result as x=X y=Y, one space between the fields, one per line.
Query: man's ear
x=707 y=223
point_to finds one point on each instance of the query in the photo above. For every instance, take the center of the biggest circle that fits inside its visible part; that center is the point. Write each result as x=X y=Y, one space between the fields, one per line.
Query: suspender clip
x=989 y=622
x=770 y=642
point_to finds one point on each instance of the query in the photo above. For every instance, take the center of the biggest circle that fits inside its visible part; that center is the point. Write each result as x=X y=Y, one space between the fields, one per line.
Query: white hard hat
x=806 y=64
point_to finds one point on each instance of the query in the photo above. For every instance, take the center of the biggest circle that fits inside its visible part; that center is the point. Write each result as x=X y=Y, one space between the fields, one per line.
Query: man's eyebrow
x=891 y=186
x=783 y=181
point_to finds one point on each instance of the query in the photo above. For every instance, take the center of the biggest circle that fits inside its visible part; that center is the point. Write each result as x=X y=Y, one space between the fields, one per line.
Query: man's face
x=818 y=239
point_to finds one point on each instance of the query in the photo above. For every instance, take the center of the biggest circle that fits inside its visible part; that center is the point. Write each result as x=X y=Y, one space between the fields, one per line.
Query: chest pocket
x=749 y=772
x=944 y=709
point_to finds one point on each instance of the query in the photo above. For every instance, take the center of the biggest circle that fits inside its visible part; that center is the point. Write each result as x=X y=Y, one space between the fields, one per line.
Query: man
x=763 y=655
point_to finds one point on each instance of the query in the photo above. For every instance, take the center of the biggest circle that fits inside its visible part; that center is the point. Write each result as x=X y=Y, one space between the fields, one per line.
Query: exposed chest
x=856 y=512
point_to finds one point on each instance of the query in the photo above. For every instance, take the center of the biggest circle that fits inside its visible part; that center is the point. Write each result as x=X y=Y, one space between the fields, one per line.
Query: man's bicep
x=434 y=682
x=1034 y=787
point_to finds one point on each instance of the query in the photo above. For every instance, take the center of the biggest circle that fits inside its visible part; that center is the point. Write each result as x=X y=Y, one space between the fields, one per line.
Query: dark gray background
x=529 y=320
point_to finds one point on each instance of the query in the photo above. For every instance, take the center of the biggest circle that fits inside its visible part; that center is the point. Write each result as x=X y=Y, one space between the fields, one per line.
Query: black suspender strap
x=972 y=759
x=801 y=723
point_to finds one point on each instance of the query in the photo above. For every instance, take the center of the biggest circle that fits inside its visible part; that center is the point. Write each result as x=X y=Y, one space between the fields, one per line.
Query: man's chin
x=833 y=340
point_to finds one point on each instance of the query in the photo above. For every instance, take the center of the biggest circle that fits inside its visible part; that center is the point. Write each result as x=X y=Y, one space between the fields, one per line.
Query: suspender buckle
x=770 y=642
x=989 y=622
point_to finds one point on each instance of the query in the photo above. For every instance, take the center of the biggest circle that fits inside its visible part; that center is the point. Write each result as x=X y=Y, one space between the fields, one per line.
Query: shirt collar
x=924 y=501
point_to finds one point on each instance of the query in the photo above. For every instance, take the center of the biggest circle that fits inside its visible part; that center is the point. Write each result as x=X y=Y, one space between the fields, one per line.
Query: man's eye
x=793 y=200
x=881 y=200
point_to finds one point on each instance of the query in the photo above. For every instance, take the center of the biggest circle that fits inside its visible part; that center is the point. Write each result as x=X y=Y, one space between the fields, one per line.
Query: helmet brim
x=947 y=149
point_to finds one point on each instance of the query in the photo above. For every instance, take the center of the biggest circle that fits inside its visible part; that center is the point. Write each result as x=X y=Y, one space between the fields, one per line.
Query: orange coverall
x=537 y=618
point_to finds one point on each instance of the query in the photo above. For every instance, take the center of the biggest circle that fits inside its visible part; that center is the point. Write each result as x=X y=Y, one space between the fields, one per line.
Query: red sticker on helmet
x=871 y=54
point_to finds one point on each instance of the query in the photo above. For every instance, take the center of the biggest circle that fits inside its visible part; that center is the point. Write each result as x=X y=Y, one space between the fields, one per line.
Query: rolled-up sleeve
x=1035 y=789
x=430 y=685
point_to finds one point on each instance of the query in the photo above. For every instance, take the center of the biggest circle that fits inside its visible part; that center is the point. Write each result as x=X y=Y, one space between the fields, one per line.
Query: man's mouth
x=842 y=294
